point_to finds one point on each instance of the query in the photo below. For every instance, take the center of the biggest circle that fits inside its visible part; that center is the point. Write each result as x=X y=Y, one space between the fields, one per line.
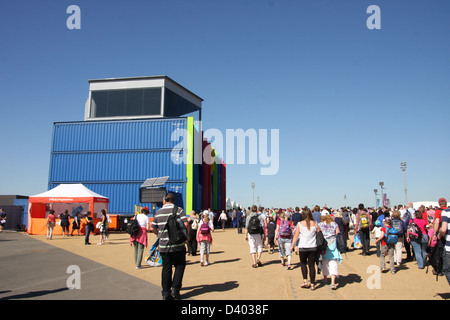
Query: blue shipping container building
x=114 y=158
x=135 y=129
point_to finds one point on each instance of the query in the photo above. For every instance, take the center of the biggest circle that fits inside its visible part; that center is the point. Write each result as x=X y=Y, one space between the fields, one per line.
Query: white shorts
x=330 y=267
x=255 y=242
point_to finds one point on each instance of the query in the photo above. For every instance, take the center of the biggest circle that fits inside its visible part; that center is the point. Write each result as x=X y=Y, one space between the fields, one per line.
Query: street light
x=403 y=167
x=382 y=187
x=253 y=193
x=376 y=199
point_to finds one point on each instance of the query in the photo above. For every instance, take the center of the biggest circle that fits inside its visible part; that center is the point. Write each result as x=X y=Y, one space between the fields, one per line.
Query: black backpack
x=132 y=227
x=176 y=229
x=414 y=231
x=254 y=225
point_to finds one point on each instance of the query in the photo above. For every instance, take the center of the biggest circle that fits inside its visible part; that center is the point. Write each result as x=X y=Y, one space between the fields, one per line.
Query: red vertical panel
x=206 y=182
x=223 y=187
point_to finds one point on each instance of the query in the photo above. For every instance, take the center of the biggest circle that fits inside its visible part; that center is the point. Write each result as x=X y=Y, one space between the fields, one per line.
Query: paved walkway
x=33 y=269
x=37 y=269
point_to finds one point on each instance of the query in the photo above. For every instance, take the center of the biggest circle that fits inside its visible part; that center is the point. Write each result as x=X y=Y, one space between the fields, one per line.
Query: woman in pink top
x=421 y=243
x=50 y=224
x=140 y=240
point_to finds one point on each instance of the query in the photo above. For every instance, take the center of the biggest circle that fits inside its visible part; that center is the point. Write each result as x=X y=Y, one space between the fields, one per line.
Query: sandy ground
x=231 y=277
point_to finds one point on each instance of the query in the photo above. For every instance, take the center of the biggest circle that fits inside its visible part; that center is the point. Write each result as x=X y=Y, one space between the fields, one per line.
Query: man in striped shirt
x=445 y=232
x=172 y=255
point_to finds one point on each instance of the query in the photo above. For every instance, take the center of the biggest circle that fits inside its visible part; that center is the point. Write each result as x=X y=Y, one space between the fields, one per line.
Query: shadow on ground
x=190 y=292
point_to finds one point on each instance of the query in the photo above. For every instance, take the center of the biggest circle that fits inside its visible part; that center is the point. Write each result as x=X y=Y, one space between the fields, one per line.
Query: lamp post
x=403 y=167
x=376 y=194
x=382 y=187
x=253 y=193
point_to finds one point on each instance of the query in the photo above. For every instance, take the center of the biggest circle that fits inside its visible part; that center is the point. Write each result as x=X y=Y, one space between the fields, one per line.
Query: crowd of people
x=319 y=236
x=301 y=230
x=65 y=223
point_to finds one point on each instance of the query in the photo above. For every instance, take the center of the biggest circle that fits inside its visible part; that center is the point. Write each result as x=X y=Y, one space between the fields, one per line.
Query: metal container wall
x=115 y=166
x=116 y=135
x=114 y=158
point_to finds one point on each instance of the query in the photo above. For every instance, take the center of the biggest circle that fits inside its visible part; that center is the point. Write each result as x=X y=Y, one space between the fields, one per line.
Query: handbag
x=321 y=242
x=154 y=259
x=357 y=242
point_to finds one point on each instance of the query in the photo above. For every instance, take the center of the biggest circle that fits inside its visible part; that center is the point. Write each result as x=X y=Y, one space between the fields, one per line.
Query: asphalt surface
x=35 y=276
x=34 y=270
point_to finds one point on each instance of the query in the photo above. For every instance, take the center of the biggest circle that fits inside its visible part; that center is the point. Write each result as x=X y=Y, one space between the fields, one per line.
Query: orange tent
x=71 y=197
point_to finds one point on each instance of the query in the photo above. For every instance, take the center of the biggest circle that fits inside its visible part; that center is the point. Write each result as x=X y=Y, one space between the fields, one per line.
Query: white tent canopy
x=65 y=191
x=70 y=197
x=427 y=204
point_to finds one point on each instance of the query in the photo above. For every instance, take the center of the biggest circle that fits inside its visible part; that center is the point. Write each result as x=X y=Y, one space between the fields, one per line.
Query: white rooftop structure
x=140 y=97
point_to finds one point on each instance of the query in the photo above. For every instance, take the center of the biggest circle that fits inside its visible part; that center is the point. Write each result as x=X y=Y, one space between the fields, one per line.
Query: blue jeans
x=446 y=267
x=378 y=249
x=420 y=250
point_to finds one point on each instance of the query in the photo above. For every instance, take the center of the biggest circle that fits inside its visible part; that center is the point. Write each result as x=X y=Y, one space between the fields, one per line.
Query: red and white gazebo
x=71 y=197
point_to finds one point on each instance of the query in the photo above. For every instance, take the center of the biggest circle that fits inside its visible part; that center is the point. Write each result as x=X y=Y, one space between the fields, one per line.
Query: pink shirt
x=421 y=224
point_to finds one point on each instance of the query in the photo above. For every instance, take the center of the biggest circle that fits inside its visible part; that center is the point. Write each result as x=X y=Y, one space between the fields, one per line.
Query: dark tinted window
x=99 y=105
x=175 y=105
x=126 y=102
x=152 y=101
x=134 y=102
x=116 y=103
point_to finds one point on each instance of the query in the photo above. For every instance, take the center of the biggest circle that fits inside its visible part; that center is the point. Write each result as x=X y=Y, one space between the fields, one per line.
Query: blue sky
x=350 y=103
